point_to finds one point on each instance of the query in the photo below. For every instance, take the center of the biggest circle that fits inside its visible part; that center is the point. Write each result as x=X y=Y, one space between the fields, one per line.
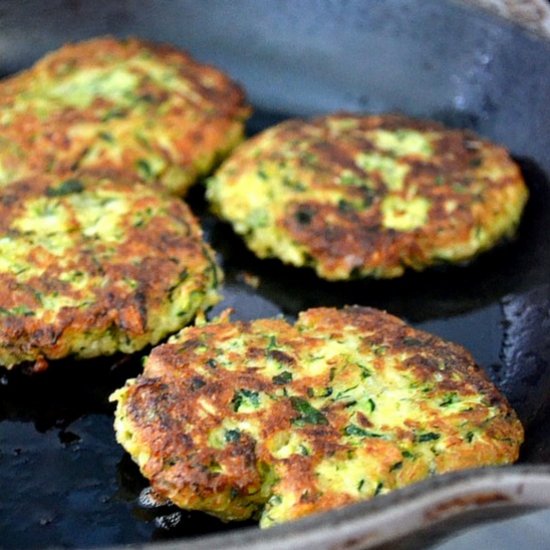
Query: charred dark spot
x=410 y=341
x=141 y=302
x=280 y=357
x=304 y=215
x=396 y=466
x=332 y=234
x=190 y=345
x=345 y=206
x=8 y=200
x=197 y=382
x=475 y=162
x=363 y=420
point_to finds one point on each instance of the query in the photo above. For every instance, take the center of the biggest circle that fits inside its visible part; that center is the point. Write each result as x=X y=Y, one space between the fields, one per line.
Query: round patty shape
x=90 y=267
x=109 y=106
x=237 y=419
x=354 y=196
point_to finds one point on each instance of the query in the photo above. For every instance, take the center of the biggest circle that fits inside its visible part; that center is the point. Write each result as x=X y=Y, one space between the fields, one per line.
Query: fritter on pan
x=238 y=419
x=354 y=196
x=110 y=106
x=90 y=267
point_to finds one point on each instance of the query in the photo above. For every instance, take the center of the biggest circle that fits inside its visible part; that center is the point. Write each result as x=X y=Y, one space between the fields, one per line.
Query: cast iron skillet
x=66 y=483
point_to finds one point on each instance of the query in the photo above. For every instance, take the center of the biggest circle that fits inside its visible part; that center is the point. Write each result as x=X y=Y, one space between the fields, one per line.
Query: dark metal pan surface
x=63 y=479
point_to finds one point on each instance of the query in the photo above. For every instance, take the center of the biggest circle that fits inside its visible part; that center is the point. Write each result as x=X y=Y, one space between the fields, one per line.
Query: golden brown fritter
x=354 y=196
x=238 y=419
x=110 y=106
x=90 y=267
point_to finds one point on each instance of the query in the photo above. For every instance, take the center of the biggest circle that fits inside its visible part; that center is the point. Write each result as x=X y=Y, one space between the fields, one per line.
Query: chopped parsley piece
x=232 y=436
x=365 y=372
x=307 y=413
x=449 y=400
x=245 y=398
x=272 y=344
x=66 y=187
x=144 y=169
x=354 y=430
x=396 y=466
x=428 y=436
x=284 y=378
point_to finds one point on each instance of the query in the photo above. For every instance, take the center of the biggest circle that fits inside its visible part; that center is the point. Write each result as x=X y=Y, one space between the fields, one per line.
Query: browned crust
x=471 y=186
x=164 y=410
x=155 y=256
x=199 y=123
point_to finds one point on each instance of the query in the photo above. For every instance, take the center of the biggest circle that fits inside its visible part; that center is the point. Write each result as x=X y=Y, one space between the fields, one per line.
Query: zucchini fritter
x=90 y=267
x=354 y=196
x=238 y=419
x=110 y=106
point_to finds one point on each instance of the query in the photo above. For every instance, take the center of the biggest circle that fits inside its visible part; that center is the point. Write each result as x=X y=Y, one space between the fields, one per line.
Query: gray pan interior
x=68 y=482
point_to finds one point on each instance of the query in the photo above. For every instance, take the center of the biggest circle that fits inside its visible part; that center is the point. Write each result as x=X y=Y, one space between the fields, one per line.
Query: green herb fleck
x=66 y=187
x=365 y=372
x=106 y=136
x=294 y=185
x=113 y=113
x=345 y=206
x=307 y=413
x=379 y=488
x=469 y=437
x=212 y=363
x=18 y=310
x=360 y=486
x=379 y=349
x=284 y=378
x=350 y=179
x=144 y=169
x=428 y=436
x=344 y=393
x=232 y=436
x=309 y=158
x=449 y=400
x=244 y=397
x=356 y=431
x=396 y=466
x=272 y=343
x=304 y=451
